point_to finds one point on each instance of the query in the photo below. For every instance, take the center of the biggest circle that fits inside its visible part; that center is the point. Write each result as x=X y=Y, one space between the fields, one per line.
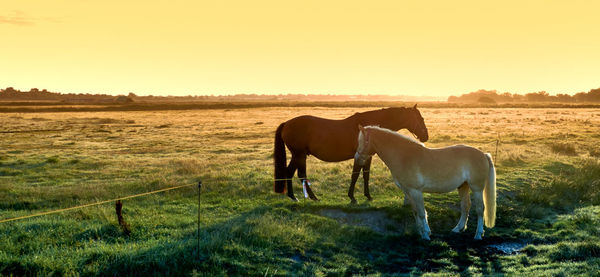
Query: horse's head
x=416 y=124
x=364 y=150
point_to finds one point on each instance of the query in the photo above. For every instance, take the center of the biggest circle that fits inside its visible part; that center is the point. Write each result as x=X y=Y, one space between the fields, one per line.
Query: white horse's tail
x=489 y=195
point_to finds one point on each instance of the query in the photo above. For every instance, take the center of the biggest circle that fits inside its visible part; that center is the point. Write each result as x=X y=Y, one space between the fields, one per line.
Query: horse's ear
x=415 y=106
x=361 y=128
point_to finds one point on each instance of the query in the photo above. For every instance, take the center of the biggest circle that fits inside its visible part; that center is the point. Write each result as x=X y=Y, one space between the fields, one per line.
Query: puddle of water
x=508 y=248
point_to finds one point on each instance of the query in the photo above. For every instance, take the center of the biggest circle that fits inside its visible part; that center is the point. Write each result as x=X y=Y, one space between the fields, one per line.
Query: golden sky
x=176 y=47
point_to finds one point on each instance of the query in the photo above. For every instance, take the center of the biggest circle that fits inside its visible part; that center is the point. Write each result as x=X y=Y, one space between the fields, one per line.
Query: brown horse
x=334 y=141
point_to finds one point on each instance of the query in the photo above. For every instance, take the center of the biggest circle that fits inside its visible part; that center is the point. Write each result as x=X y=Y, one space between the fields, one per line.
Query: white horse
x=417 y=169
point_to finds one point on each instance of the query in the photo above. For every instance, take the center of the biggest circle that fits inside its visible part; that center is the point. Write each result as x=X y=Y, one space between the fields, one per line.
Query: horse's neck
x=371 y=118
x=386 y=118
x=386 y=145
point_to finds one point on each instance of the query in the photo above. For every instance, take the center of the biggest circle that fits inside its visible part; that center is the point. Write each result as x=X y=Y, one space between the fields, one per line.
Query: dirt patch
x=375 y=220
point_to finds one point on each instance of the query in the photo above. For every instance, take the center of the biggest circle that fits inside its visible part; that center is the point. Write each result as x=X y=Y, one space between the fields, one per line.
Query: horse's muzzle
x=424 y=136
x=360 y=159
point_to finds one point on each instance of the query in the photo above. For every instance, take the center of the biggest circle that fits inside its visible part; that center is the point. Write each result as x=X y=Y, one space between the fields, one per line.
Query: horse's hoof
x=455 y=230
x=312 y=196
x=369 y=198
x=353 y=202
x=426 y=237
x=293 y=198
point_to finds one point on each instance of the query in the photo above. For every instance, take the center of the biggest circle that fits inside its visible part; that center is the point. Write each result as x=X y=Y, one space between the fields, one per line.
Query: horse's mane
x=396 y=134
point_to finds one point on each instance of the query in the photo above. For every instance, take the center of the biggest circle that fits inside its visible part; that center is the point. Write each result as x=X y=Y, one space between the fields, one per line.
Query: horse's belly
x=332 y=150
x=443 y=185
x=332 y=156
x=439 y=189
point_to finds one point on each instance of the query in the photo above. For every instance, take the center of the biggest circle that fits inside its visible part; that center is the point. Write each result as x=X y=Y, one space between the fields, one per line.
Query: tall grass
x=563 y=148
x=569 y=189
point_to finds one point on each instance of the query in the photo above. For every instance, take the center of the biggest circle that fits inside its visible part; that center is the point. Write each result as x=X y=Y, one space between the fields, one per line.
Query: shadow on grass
x=289 y=239
x=284 y=238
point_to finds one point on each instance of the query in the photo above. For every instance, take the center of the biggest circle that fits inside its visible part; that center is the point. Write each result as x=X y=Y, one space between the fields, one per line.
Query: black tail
x=279 y=160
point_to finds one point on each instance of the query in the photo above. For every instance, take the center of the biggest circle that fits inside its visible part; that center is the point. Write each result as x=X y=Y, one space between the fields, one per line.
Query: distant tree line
x=11 y=94
x=35 y=94
x=493 y=96
x=480 y=96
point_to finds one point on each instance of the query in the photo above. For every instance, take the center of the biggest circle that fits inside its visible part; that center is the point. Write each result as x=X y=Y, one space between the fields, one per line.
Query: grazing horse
x=417 y=169
x=334 y=141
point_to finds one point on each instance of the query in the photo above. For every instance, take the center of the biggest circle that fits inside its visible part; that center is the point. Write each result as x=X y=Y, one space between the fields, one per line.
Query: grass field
x=548 y=219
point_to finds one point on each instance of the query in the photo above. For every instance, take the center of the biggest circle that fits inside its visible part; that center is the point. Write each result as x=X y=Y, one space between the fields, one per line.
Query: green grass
x=547 y=201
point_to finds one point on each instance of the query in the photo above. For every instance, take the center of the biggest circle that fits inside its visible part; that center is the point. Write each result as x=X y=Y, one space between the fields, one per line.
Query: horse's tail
x=279 y=161
x=489 y=195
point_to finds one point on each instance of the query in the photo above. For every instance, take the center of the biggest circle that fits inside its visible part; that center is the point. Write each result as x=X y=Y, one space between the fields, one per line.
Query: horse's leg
x=465 y=205
x=365 y=170
x=355 y=172
x=406 y=196
x=418 y=206
x=302 y=176
x=292 y=166
x=478 y=197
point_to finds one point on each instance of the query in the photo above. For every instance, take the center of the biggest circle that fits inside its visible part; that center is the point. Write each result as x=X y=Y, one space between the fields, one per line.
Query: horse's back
x=308 y=121
x=327 y=139
x=302 y=127
x=460 y=154
x=458 y=163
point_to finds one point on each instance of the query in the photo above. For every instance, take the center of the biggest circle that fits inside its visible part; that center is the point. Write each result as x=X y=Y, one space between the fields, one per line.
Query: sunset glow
x=420 y=48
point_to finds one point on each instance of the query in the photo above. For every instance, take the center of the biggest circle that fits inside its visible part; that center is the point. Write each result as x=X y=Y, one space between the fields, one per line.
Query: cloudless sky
x=420 y=48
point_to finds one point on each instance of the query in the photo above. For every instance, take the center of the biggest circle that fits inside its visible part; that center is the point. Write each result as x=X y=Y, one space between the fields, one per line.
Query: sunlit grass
x=546 y=197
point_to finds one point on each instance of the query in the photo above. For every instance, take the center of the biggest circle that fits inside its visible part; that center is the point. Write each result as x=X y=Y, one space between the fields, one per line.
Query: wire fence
x=496 y=143
x=92 y=204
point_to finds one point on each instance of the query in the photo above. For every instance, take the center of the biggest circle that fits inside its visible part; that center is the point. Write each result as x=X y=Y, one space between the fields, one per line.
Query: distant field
x=548 y=196
x=91 y=106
